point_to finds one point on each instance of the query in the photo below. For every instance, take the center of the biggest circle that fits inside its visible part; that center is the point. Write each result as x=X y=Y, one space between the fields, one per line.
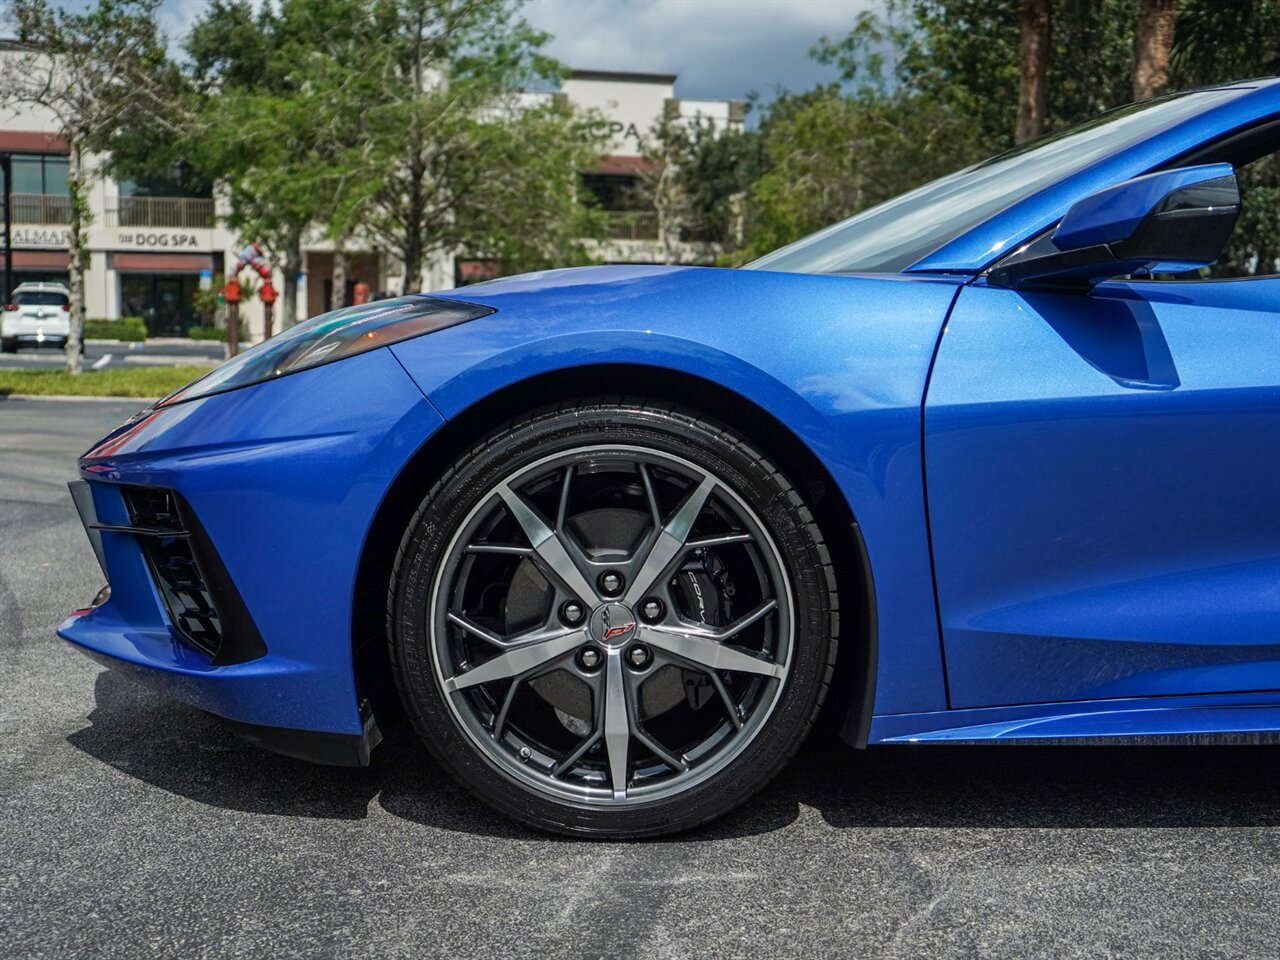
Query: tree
x=893 y=121
x=451 y=156
x=1153 y=42
x=98 y=71
x=927 y=86
x=396 y=122
x=699 y=181
x=1035 y=19
x=276 y=104
x=1219 y=40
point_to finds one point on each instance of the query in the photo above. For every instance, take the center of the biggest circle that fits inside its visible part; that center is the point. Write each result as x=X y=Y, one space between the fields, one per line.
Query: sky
x=721 y=49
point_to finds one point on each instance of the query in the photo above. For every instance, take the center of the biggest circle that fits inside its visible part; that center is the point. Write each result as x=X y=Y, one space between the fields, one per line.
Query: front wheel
x=613 y=619
x=8 y=345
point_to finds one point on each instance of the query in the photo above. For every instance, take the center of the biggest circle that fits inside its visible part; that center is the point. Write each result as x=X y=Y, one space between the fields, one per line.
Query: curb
x=63 y=397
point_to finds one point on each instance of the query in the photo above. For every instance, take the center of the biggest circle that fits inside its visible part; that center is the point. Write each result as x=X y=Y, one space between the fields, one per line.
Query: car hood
x=586 y=286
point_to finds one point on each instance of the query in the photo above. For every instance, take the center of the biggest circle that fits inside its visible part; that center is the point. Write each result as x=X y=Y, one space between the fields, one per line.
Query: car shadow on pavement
x=185 y=752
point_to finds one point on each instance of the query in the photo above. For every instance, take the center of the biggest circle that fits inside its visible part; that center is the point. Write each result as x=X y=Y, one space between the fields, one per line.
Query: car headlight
x=329 y=337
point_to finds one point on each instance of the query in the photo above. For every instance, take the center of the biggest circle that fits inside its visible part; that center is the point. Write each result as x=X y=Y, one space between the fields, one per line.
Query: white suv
x=36 y=314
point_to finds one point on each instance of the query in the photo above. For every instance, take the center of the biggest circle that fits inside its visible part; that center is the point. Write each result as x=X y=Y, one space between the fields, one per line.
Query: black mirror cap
x=1191 y=225
x=1189 y=228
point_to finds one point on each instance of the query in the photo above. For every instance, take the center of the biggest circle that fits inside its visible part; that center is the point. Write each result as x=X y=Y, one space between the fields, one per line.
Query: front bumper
x=37 y=339
x=285 y=479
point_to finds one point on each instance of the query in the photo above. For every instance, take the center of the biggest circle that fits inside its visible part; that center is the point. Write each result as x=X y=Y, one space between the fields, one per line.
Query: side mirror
x=1167 y=222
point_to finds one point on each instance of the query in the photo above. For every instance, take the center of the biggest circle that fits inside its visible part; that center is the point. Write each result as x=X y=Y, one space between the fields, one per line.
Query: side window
x=1254 y=248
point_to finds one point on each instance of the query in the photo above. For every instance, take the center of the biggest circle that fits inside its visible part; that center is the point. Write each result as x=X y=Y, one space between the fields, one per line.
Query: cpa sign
x=618 y=132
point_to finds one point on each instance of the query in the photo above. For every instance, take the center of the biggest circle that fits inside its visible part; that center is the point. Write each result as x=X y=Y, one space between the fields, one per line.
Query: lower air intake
x=202 y=602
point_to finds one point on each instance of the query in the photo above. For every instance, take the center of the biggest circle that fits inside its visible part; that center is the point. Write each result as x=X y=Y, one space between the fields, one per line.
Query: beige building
x=153 y=246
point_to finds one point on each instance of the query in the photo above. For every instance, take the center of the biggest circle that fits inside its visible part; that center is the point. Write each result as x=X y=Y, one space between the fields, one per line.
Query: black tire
x=787 y=525
x=8 y=345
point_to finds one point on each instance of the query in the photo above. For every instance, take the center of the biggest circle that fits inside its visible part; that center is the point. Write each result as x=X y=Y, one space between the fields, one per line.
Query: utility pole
x=6 y=168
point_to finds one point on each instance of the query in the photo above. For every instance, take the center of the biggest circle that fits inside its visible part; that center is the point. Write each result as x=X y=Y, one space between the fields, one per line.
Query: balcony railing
x=40 y=208
x=161 y=212
x=630 y=225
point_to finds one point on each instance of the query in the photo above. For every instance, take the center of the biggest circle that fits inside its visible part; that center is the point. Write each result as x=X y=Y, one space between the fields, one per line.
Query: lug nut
x=638 y=656
x=611 y=582
x=572 y=612
x=589 y=658
x=652 y=610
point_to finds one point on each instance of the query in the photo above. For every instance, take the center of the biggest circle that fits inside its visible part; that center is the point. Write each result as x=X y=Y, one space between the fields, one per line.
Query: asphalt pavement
x=99 y=354
x=132 y=826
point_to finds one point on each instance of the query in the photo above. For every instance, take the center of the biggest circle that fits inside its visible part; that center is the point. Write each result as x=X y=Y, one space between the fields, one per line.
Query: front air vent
x=154 y=508
x=203 y=604
x=167 y=547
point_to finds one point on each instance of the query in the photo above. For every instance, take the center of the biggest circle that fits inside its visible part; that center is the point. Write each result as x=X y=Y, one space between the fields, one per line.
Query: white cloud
x=719 y=48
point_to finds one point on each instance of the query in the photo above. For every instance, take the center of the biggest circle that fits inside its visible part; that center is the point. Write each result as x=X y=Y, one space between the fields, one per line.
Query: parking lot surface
x=134 y=826
x=102 y=354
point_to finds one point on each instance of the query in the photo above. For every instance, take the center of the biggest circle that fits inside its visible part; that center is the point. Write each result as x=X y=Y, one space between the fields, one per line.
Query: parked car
x=37 y=315
x=1011 y=441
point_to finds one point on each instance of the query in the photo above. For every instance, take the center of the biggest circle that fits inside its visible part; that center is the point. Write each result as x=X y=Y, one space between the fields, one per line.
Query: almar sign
x=179 y=241
x=56 y=237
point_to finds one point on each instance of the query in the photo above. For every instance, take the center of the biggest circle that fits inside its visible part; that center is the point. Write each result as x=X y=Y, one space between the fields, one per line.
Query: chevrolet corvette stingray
x=997 y=461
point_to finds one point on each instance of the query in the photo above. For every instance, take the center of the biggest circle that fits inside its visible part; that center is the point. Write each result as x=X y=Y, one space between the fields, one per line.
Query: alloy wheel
x=611 y=625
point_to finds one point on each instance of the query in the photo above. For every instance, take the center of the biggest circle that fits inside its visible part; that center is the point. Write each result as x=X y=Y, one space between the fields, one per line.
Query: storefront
x=161 y=288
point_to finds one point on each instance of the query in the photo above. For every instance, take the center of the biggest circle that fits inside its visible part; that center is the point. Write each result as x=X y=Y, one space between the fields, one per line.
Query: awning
x=32 y=141
x=38 y=259
x=620 y=164
x=160 y=262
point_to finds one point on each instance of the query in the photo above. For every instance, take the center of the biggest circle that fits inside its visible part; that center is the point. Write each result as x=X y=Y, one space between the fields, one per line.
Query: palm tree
x=1152 y=44
x=1035 y=21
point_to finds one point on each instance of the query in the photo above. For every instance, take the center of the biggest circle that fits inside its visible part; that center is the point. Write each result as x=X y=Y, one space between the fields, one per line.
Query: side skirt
x=1227 y=718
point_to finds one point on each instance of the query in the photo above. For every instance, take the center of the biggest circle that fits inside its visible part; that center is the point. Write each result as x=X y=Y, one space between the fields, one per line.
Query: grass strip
x=111 y=382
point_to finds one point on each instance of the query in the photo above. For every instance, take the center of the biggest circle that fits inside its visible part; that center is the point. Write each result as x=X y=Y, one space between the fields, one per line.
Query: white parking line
x=101 y=362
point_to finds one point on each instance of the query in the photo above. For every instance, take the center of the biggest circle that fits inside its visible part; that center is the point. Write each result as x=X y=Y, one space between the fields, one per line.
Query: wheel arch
x=852 y=695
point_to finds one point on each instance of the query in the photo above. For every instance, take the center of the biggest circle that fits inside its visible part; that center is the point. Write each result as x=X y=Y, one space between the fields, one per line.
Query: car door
x=1103 y=489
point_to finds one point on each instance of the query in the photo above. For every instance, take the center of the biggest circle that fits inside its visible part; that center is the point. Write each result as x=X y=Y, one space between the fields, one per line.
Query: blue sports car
x=995 y=461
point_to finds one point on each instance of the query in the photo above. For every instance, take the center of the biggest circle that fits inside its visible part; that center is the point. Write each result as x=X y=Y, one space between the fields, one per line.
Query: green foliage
x=127 y=329
x=931 y=85
x=1218 y=40
x=215 y=333
x=206 y=303
x=702 y=176
x=395 y=120
x=1255 y=242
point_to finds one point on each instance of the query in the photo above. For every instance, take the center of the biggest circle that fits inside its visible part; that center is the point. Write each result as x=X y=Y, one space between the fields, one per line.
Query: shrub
x=214 y=333
x=133 y=329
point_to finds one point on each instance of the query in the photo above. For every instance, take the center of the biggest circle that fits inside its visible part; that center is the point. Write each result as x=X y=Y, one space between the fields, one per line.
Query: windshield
x=890 y=237
x=39 y=298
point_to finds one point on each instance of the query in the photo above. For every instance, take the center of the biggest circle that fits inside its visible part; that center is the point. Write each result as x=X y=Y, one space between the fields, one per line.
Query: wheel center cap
x=613 y=624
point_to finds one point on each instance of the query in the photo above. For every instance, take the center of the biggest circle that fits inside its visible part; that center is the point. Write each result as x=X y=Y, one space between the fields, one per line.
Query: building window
x=39 y=187
x=612 y=191
x=40 y=174
x=178 y=198
x=179 y=181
